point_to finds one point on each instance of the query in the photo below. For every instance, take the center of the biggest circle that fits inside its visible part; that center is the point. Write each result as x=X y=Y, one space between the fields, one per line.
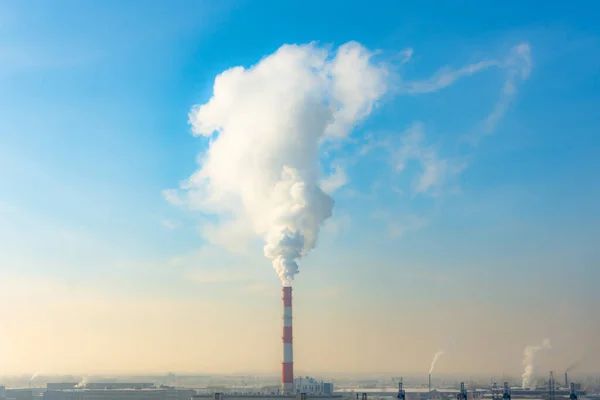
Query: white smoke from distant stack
x=266 y=124
x=529 y=362
x=82 y=384
x=34 y=376
x=436 y=356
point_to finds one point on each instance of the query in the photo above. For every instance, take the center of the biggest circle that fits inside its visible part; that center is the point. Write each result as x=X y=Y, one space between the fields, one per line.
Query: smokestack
x=566 y=379
x=287 y=371
x=429 y=383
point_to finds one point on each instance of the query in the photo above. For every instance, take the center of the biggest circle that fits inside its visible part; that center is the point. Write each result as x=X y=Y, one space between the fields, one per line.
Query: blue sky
x=93 y=127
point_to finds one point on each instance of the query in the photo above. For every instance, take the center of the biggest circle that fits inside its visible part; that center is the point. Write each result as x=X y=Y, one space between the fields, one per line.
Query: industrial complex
x=301 y=387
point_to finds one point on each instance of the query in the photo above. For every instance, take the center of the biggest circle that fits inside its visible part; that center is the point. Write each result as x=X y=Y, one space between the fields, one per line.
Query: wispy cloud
x=173 y=197
x=518 y=65
x=406 y=55
x=335 y=180
x=170 y=224
x=435 y=169
x=234 y=235
x=446 y=77
x=413 y=147
x=337 y=224
x=398 y=226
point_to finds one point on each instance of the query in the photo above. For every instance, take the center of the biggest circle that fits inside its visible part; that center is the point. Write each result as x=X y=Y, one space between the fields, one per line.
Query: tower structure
x=287 y=367
x=463 y=392
x=506 y=395
x=495 y=392
x=551 y=386
x=402 y=393
x=573 y=395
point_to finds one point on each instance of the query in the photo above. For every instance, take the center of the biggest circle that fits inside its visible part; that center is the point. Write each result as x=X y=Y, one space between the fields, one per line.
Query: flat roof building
x=123 y=394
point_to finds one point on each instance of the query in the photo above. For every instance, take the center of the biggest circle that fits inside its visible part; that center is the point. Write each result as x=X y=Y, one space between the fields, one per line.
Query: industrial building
x=311 y=386
x=18 y=394
x=99 y=385
x=119 y=385
x=119 y=394
x=61 y=385
x=299 y=396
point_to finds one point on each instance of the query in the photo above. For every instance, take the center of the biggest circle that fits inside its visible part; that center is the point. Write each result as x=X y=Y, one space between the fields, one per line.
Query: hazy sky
x=465 y=215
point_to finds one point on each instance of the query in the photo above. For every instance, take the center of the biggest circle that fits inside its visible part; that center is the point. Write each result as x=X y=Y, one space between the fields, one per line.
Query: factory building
x=309 y=385
x=61 y=385
x=99 y=385
x=298 y=396
x=119 y=385
x=122 y=394
x=19 y=394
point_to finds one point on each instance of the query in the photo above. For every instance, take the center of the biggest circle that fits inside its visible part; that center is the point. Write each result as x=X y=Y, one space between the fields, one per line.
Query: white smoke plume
x=82 y=384
x=266 y=124
x=436 y=356
x=34 y=376
x=529 y=361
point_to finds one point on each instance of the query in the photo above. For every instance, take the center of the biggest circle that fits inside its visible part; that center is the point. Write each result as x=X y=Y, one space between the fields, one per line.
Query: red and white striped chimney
x=287 y=369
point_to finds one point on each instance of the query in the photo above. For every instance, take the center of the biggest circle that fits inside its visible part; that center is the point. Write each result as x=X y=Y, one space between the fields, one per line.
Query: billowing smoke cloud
x=436 y=356
x=266 y=124
x=529 y=362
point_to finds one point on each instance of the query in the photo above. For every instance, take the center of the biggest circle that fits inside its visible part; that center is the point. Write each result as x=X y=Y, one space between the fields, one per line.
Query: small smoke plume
x=266 y=123
x=529 y=361
x=82 y=384
x=34 y=376
x=573 y=366
x=436 y=356
x=583 y=360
